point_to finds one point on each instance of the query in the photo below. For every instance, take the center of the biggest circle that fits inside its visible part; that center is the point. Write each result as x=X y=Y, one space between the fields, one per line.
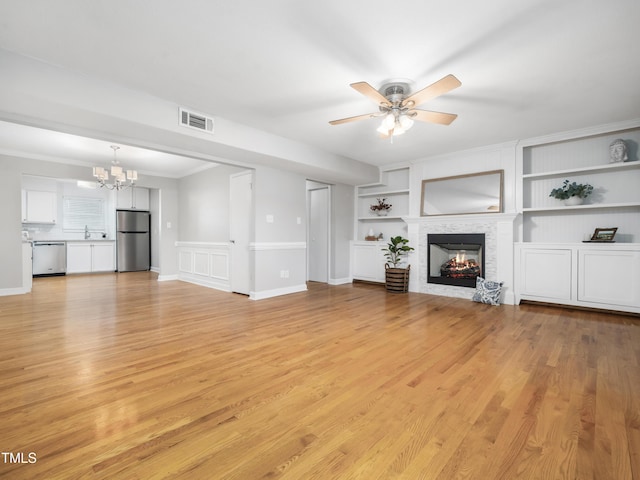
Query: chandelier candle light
x=118 y=174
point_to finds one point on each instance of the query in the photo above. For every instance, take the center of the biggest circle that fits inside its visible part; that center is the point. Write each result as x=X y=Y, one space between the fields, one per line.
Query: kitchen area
x=77 y=227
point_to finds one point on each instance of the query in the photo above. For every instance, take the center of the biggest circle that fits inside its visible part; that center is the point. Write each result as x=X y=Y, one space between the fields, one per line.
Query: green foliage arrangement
x=396 y=249
x=574 y=189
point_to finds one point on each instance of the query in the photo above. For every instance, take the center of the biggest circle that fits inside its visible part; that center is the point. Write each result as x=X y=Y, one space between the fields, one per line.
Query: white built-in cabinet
x=367 y=261
x=134 y=198
x=367 y=258
x=553 y=261
x=587 y=275
x=88 y=257
x=39 y=207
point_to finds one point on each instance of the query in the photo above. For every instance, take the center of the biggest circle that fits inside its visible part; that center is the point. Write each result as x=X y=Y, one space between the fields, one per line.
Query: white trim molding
x=276 y=292
x=4 y=292
x=204 y=263
x=260 y=246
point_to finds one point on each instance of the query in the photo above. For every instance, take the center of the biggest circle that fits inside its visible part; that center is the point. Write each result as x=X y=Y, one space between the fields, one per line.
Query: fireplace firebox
x=455 y=258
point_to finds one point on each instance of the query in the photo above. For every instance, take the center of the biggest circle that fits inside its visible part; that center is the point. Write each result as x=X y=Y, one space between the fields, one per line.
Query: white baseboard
x=340 y=281
x=205 y=282
x=166 y=278
x=4 y=292
x=276 y=292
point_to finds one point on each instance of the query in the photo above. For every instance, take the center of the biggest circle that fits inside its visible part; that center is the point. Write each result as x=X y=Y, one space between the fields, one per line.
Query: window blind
x=83 y=211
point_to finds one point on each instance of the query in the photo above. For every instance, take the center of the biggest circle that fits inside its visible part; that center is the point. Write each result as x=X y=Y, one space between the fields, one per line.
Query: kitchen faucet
x=87 y=235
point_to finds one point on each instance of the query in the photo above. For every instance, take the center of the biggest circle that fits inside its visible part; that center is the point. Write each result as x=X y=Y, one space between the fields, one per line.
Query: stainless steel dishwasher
x=49 y=258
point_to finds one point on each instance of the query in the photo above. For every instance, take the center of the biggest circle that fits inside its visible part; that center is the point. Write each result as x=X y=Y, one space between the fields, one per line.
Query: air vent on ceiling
x=196 y=120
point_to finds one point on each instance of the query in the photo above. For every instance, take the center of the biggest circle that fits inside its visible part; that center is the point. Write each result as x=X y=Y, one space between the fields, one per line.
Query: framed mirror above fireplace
x=463 y=194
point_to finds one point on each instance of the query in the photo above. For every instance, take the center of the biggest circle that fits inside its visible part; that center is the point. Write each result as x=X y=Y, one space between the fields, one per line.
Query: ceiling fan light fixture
x=389 y=121
x=405 y=122
x=383 y=130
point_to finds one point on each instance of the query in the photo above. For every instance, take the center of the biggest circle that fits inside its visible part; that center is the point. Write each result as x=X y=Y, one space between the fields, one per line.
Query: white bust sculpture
x=618 y=151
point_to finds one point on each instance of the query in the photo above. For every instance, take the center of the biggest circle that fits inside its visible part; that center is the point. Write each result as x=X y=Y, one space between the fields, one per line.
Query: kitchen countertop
x=80 y=240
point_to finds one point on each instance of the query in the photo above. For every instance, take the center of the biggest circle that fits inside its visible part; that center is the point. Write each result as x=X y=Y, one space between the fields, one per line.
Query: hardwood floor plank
x=121 y=376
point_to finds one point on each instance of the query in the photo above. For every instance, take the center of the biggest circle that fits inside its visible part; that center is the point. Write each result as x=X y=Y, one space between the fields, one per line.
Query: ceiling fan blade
x=442 y=86
x=368 y=91
x=353 y=119
x=432 y=117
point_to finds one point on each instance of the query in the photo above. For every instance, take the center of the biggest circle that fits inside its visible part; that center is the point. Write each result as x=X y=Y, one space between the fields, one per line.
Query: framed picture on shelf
x=604 y=234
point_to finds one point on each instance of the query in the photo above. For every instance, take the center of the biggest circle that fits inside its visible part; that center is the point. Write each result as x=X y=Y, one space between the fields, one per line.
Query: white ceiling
x=527 y=68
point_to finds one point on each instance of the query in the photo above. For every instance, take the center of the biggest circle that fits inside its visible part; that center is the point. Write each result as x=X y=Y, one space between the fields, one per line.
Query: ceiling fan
x=397 y=105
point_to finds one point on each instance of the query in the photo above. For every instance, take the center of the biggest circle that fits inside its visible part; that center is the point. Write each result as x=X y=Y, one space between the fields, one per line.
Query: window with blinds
x=83 y=211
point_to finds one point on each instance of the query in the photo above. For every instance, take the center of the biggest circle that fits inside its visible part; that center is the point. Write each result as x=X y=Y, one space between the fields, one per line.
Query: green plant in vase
x=381 y=208
x=572 y=193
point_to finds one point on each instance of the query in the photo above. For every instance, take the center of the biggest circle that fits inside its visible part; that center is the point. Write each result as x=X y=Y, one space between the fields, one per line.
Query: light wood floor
x=122 y=377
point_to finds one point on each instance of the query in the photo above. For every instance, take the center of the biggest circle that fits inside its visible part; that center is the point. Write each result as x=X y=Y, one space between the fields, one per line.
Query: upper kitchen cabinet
x=39 y=207
x=134 y=198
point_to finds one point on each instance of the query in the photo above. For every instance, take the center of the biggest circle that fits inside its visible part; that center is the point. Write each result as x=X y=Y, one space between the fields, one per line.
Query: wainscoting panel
x=205 y=264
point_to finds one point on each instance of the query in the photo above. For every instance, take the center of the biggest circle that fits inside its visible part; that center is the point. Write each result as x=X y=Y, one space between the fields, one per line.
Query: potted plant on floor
x=396 y=277
x=572 y=193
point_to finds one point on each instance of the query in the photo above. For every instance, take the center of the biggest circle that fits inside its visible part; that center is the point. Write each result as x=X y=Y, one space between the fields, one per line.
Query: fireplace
x=455 y=258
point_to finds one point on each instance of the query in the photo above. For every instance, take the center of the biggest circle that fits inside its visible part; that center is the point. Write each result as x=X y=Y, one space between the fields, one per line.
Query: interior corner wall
x=342 y=220
x=203 y=202
x=11 y=221
x=279 y=247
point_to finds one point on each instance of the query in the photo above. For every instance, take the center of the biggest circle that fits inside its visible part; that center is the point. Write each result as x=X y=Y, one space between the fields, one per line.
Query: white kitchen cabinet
x=103 y=257
x=605 y=276
x=367 y=261
x=87 y=257
x=134 y=198
x=39 y=207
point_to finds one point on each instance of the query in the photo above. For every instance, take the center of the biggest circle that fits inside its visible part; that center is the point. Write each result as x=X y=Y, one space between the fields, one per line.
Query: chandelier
x=119 y=176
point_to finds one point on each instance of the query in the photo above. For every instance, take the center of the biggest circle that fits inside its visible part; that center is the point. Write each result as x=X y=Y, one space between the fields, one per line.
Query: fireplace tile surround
x=498 y=251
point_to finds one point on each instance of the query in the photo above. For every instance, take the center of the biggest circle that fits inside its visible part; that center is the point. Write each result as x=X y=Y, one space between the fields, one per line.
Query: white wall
x=280 y=232
x=342 y=221
x=203 y=200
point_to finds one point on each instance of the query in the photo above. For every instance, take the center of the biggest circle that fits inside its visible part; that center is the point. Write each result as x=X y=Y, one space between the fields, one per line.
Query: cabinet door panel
x=78 y=257
x=41 y=207
x=546 y=273
x=609 y=277
x=103 y=258
x=368 y=263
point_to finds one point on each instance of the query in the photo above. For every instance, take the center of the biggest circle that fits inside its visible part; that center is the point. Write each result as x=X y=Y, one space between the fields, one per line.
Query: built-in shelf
x=383 y=194
x=378 y=219
x=583 y=207
x=586 y=169
x=394 y=187
x=581 y=158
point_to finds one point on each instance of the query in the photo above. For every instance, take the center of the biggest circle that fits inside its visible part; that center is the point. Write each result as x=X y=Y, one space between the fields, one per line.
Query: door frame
x=319 y=186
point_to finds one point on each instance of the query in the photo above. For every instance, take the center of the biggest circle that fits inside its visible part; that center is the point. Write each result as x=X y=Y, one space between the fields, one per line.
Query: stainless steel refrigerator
x=133 y=240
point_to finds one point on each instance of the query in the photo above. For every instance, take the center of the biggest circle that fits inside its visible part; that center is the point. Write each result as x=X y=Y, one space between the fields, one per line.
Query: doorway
x=318 y=231
x=240 y=221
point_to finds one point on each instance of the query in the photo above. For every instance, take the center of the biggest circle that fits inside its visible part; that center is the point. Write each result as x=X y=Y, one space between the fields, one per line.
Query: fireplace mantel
x=470 y=218
x=499 y=230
